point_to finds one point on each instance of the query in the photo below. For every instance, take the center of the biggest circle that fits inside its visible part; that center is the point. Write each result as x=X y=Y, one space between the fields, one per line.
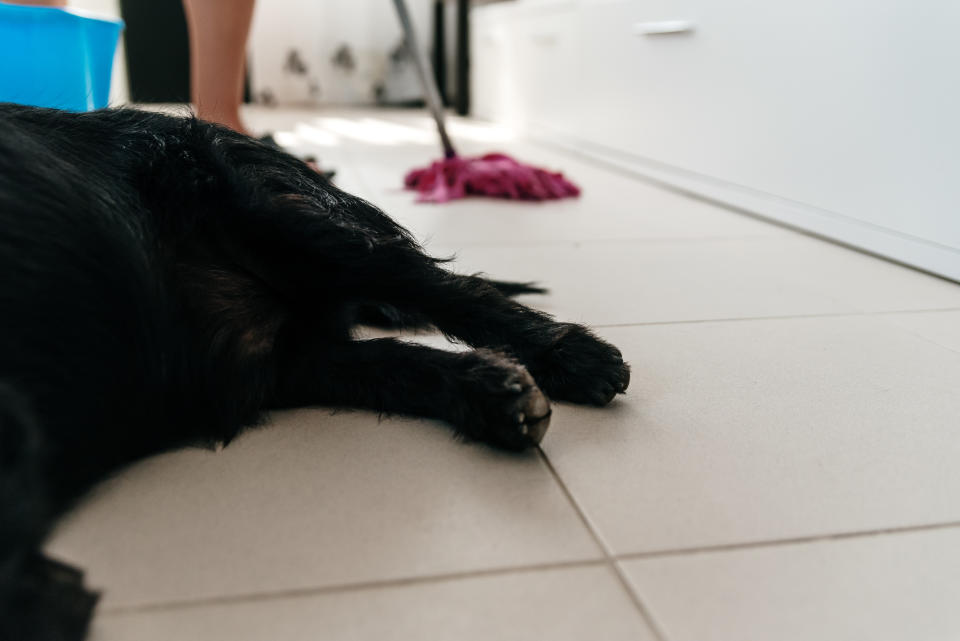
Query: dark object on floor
x=455 y=176
x=165 y=281
x=268 y=139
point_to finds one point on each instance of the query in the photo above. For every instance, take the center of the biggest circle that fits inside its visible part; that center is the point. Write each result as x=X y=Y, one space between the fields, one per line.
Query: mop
x=495 y=174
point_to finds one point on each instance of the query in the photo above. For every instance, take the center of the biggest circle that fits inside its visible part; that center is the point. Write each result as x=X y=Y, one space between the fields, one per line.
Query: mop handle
x=425 y=71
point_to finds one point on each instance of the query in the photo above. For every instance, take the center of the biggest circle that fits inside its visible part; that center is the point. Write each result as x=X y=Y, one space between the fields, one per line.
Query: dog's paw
x=580 y=368
x=504 y=408
x=47 y=600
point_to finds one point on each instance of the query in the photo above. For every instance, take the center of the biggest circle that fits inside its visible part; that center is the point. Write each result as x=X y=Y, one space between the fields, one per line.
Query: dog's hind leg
x=567 y=360
x=484 y=394
x=388 y=317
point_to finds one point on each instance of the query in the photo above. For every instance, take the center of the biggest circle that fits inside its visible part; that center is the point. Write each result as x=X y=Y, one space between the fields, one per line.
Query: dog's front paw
x=504 y=408
x=579 y=367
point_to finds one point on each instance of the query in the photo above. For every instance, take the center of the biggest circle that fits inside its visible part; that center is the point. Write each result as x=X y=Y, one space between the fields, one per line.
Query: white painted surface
x=316 y=29
x=836 y=117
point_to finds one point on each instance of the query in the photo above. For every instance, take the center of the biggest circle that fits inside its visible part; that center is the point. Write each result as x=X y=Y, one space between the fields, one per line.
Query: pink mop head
x=496 y=175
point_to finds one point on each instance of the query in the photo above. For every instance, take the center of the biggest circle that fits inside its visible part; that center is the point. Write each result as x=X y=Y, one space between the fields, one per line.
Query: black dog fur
x=164 y=281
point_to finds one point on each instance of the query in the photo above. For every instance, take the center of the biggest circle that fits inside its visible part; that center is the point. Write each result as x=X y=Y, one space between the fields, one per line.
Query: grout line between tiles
x=735 y=319
x=799 y=540
x=609 y=558
x=918 y=334
x=342 y=587
x=929 y=340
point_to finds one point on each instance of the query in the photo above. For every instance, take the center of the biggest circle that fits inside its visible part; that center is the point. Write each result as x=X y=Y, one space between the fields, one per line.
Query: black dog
x=163 y=281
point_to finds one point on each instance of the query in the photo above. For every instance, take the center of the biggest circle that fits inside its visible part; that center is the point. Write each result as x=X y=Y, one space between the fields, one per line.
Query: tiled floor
x=784 y=465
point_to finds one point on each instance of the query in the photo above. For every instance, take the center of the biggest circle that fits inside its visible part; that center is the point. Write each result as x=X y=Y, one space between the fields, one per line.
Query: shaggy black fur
x=163 y=281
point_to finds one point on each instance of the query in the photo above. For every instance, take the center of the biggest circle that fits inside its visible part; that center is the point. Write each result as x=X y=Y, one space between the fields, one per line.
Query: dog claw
x=536 y=431
x=520 y=417
x=516 y=388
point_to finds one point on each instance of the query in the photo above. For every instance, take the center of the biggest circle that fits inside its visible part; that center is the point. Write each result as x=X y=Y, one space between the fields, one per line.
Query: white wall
x=316 y=29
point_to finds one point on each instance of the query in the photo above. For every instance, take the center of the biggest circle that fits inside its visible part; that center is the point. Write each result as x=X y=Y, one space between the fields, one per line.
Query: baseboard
x=924 y=255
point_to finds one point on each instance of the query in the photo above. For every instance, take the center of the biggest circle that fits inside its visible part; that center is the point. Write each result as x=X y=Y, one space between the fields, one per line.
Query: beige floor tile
x=760 y=430
x=942 y=328
x=497 y=222
x=611 y=207
x=881 y=588
x=872 y=284
x=635 y=281
x=318 y=500
x=559 y=604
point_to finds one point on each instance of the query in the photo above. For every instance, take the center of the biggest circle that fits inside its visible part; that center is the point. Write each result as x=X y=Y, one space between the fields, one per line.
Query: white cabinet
x=841 y=117
x=492 y=82
x=526 y=66
x=636 y=84
x=548 y=69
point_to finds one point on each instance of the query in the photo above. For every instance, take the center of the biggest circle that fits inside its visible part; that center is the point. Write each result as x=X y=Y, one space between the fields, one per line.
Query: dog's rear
x=40 y=599
x=78 y=360
x=79 y=332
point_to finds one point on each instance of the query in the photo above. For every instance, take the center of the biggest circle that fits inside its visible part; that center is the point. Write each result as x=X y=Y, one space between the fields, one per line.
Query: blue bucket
x=56 y=57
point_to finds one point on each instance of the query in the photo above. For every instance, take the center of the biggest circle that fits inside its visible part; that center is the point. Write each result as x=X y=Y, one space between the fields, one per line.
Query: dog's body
x=163 y=281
